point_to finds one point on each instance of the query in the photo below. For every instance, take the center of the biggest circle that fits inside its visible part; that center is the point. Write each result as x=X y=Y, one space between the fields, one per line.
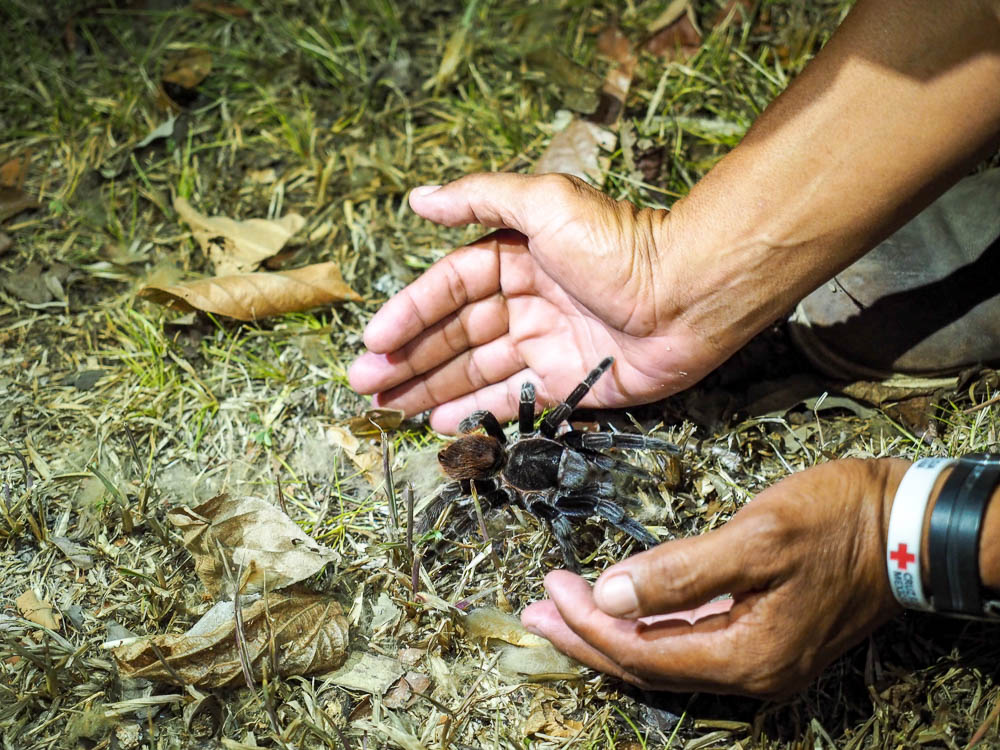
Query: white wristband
x=906 y=527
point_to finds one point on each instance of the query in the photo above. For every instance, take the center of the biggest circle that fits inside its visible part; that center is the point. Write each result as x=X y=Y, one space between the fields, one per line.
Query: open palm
x=570 y=277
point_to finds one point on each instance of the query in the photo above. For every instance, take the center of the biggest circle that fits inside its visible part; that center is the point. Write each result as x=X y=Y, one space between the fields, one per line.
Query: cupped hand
x=570 y=277
x=804 y=564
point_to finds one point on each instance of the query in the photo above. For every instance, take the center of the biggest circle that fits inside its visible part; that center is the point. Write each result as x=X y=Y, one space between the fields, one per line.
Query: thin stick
x=984 y=727
x=390 y=490
x=980 y=407
x=482 y=526
x=281 y=495
x=408 y=499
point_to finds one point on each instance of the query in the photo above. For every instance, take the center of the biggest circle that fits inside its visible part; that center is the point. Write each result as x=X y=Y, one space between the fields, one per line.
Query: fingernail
x=423 y=190
x=616 y=595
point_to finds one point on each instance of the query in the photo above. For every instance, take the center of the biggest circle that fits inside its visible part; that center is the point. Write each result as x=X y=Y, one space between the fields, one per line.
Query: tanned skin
x=898 y=105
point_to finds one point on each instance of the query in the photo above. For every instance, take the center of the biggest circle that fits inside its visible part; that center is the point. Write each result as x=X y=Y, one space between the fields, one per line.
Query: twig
x=277 y=480
x=994 y=714
x=408 y=499
x=482 y=526
x=983 y=405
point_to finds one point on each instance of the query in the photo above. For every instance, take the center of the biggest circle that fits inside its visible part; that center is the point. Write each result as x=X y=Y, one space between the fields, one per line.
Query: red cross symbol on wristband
x=902 y=556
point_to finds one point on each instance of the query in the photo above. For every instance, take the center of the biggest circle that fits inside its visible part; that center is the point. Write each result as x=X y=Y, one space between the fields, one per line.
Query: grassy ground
x=321 y=108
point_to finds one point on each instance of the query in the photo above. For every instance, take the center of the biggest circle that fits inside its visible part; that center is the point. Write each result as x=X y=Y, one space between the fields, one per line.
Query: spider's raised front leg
x=526 y=410
x=555 y=417
x=487 y=421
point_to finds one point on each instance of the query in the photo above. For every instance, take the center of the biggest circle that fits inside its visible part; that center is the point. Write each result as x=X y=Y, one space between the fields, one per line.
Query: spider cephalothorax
x=554 y=476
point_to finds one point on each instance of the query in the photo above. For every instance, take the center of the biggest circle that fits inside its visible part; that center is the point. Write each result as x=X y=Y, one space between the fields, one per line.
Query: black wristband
x=954 y=535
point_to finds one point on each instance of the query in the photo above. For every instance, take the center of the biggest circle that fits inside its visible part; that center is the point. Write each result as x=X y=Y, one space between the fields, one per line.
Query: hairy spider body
x=557 y=477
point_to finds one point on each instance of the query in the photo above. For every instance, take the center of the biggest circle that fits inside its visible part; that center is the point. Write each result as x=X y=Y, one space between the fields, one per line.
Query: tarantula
x=555 y=477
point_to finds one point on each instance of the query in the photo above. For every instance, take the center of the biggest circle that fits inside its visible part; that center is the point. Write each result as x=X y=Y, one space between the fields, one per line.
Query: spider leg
x=555 y=417
x=487 y=421
x=526 y=410
x=598 y=441
x=613 y=514
x=618 y=466
x=600 y=499
x=562 y=530
x=458 y=493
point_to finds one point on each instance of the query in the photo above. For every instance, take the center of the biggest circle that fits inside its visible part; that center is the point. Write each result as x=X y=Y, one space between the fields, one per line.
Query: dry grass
x=320 y=108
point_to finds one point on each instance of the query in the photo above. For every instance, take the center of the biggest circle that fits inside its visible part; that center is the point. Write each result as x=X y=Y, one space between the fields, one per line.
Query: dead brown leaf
x=14 y=172
x=679 y=40
x=375 y=421
x=612 y=43
x=252 y=296
x=257 y=537
x=406 y=691
x=188 y=68
x=307 y=633
x=896 y=388
x=13 y=201
x=238 y=246
x=577 y=150
x=543 y=718
x=368 y=461
x=37 y=610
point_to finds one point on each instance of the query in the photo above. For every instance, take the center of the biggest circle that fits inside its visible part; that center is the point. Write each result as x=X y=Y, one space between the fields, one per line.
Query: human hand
x=804 y=563
x=571 y=277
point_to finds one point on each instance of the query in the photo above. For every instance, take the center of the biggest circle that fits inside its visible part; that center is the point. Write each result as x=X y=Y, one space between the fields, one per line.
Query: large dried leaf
x=238 y=246
x=37 y=610
x=307 y=635
x=530 y=656
x=368 y=672
x=257 y=538
x=577 y=150
x=252 y=296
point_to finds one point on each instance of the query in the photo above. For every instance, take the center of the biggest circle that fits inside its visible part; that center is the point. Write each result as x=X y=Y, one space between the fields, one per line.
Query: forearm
x=895 y=107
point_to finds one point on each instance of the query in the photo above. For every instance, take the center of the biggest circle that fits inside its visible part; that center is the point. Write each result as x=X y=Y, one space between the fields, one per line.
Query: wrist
x=989 y=540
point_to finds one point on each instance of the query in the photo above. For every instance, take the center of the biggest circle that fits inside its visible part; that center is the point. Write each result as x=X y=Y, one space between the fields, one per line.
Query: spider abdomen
x=533 y=464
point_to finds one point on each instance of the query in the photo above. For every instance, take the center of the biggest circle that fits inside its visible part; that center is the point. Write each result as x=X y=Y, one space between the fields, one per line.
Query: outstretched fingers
x=463 y=375
x=476 y=324
x=467 y=275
